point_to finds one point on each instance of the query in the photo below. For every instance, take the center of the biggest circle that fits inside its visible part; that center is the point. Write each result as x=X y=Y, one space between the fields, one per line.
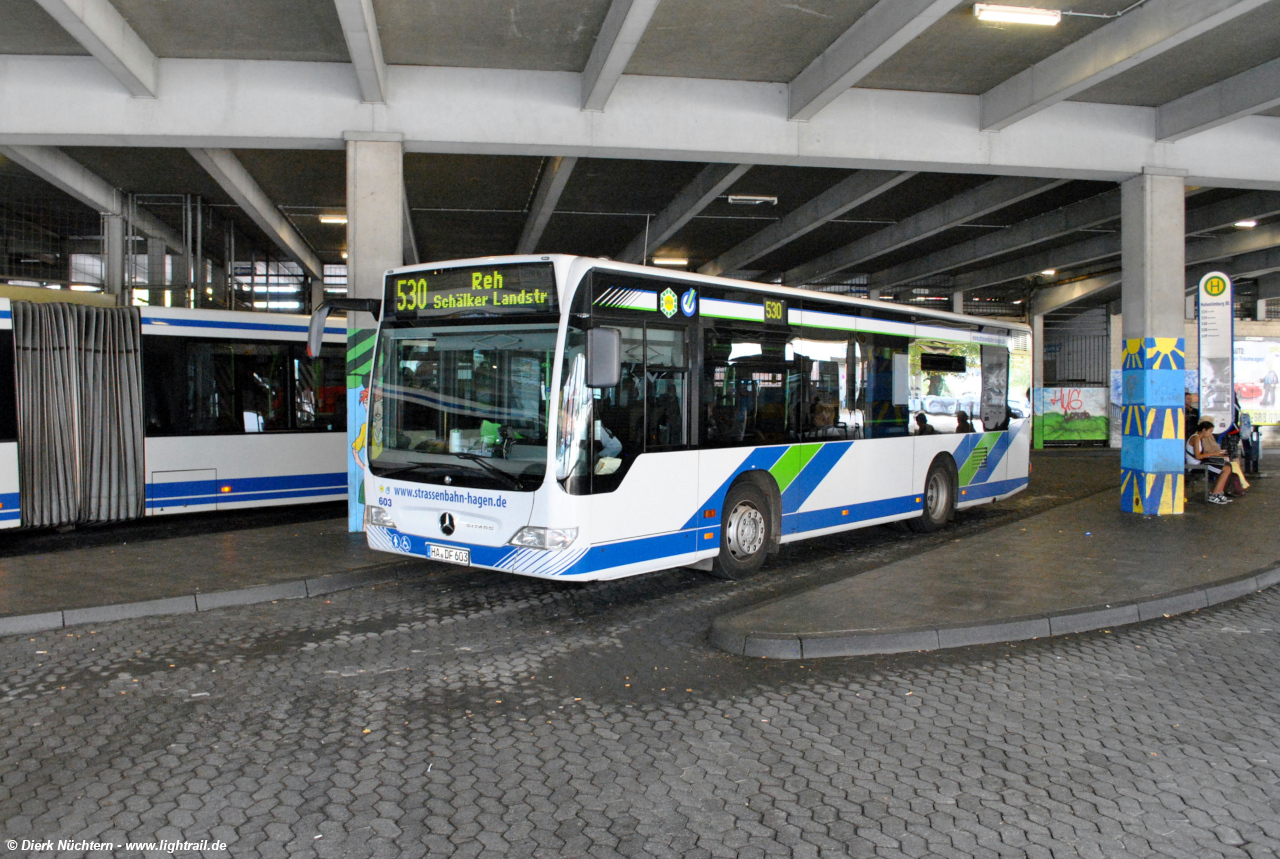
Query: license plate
x=450 y=555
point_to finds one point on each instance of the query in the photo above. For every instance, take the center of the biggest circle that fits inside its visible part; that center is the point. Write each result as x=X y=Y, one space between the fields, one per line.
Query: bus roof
x=567 y=262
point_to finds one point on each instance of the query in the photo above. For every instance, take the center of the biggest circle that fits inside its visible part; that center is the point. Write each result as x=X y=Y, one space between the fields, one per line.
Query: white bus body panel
x=202 y=473
x=234 y=325
x=10 y=499
x=190 y=474
x=656 y=523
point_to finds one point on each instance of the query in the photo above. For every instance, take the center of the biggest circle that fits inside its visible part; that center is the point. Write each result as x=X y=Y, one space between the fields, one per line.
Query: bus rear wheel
x=939 y=499
x=745 y=533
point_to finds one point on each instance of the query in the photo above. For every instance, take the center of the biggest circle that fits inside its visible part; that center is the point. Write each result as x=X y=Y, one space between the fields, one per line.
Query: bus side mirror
x=604 y=357
x=315 y=331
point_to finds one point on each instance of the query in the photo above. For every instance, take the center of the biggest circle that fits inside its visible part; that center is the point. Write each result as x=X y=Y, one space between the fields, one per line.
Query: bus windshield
x=465 y=406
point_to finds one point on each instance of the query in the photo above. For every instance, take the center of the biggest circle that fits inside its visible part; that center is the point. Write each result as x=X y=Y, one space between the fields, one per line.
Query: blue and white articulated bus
x=233 y=414
x=574 y=418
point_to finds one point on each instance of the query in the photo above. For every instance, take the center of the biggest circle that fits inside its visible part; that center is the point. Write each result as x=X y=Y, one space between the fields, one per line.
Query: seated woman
x=963 y=424
x=1202 y=448
x=923 y=427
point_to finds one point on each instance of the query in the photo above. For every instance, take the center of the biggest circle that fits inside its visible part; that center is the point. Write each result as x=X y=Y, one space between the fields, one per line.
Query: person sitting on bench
x=1202 y=448
x=923 y=427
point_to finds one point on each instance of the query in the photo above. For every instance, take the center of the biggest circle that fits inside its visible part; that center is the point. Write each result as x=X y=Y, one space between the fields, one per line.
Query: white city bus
x=575 y=418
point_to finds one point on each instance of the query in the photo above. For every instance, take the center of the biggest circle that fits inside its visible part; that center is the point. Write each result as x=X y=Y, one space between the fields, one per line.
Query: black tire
x=746 y=532
x=939 y=498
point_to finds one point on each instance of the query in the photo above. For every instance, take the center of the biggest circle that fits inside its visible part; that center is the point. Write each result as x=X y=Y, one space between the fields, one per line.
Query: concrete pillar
x=375 y=243
x=113 y=265
x=1153 y=260
x=873 y=294
x=317 y=292
x=1037 y=379
x=957 y=301
x=156 y=276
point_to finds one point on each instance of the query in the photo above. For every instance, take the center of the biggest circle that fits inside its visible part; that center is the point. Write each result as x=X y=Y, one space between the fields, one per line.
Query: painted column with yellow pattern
x=1151 y=453
x=1153 y=271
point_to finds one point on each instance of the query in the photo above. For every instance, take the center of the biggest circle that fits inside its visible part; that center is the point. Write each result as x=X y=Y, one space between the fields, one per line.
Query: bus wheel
x=939 y=498
x=744 y=532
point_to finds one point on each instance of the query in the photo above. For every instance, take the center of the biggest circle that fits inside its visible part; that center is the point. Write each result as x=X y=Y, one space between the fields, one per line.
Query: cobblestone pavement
x=472 y=714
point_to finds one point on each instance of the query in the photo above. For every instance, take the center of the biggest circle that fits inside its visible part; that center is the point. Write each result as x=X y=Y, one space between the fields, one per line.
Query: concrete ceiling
x=766 y=40
x=543 y=35
x=238 y=29
x=477 y=204
x=28 y=29
x=961 y=54
x=1237 y=46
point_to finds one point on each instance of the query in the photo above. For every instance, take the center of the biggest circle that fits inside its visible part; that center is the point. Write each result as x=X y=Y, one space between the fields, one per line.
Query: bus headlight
x=377 y=516
x=544 y=538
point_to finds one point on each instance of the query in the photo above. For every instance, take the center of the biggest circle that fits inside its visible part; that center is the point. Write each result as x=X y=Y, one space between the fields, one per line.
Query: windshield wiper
x=492 y=469
x=405 y=469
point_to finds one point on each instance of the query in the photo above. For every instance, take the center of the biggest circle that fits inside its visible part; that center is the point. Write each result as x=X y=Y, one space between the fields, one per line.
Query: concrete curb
x=874 y=642
x=27 y=623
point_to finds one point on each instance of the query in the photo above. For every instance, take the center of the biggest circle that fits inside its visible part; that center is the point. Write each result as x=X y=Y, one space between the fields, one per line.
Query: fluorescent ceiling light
x=1017 y=14
x=333 y=219
x=751 y=200
x=670 y=261
x=1246 y=225
x=84 y=287
x=1049 y=272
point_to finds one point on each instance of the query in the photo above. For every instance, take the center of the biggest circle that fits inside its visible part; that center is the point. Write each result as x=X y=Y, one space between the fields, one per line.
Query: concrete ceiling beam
x=555 y=175
x=107 y=36
x=364 y=46
x=962 y=208
x=1226 y=101
x=714 y=180
x=225 y=169
x=1214 y=216
x=845 y=195
x=1053 y=298
x=1128 y=41
x=623 y=27
x=70 y=176
x=1259 y=263
x=875 y=37
x=1233 y=244
x=1198 y=251
x=1259 y=204
x=1081 y=253
x=1083 y=215
x=62 y=101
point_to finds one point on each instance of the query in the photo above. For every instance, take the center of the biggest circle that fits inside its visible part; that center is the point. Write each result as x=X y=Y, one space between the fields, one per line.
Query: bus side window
x=319 y=389
x=8 y=389
x=260 y=385
x=995 y=388
x=885 y=417
x=188 y=386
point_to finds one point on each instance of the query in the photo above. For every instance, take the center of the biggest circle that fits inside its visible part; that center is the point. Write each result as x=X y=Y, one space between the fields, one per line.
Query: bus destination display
x=486 y=291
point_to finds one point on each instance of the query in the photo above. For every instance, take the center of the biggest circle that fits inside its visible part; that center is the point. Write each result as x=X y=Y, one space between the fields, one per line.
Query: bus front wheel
x=745 y=534
x=939 y=498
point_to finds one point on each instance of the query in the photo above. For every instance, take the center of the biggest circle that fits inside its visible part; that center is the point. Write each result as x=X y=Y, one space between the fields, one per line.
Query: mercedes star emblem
x=446 y=524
